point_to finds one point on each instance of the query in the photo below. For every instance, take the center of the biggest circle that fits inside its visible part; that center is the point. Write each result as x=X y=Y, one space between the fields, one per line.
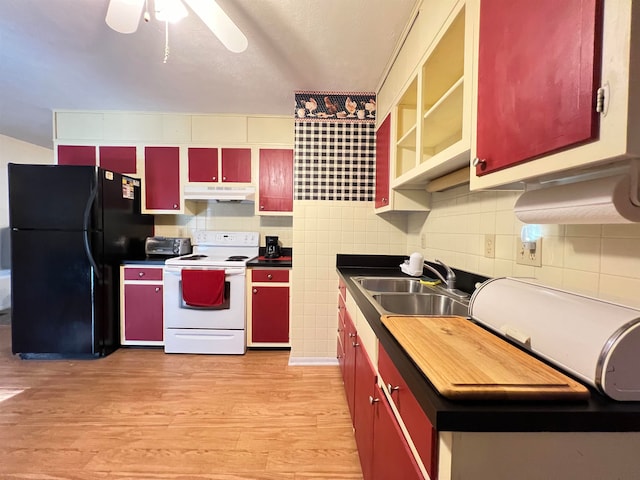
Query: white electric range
x=218 y=329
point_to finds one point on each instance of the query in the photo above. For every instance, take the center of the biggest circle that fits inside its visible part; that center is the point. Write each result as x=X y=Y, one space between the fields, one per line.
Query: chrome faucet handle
x=436 y=272
x=451 y=276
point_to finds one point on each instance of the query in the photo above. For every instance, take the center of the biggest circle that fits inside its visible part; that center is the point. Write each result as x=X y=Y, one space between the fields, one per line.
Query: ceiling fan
x=124 y=16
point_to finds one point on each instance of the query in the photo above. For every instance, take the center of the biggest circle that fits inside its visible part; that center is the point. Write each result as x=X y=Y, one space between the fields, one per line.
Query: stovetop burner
x=192 y=257
x=236 y=258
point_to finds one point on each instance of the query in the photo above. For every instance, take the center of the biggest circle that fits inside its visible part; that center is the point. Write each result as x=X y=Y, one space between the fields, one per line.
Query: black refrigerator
x=71 y=228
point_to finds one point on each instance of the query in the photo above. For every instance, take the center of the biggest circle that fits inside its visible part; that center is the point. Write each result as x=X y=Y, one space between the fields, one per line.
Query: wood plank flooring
x=141 y=414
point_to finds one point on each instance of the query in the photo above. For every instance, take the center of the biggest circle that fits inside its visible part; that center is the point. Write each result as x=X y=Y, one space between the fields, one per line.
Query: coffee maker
x=272 y=249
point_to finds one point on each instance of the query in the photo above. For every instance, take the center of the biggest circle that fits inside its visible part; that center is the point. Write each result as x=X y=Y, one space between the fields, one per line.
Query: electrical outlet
x=490 y=245
x=529 y=256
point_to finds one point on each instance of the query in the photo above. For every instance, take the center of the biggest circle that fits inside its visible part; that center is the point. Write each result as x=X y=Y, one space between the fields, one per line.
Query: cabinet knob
x=478 y=161
x=255 y=290
x=373 y=400
x=175 y=205
x=213 y=178
x=384 y=199
x=224 y=179
x=355 y=344
x=351 y=335
x=157 y=289
x=392 y=388
x=141 y=274
x=261 y=207
x=269 y=276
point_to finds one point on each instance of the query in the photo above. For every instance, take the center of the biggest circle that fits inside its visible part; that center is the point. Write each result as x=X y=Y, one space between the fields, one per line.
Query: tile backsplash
x=597 y=260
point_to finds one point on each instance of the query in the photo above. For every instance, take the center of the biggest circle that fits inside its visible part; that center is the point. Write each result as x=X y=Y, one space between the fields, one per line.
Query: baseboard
x=313 y=361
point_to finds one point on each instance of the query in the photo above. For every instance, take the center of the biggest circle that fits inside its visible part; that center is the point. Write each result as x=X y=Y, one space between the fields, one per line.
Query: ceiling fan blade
x=220 y=24
x=124 y=15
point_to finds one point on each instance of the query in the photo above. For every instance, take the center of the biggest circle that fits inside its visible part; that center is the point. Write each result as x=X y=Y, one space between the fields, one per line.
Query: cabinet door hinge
x=602 y=99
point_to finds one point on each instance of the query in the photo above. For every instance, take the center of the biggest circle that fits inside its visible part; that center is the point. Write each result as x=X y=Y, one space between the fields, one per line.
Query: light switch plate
x=490 y=245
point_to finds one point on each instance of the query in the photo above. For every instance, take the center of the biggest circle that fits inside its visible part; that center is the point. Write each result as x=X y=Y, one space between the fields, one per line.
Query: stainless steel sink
x=407 y=296
x=390 y=284
x=420 y=304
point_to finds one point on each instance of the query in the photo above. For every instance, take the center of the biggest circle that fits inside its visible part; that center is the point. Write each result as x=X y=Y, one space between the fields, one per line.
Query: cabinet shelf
x=438 y=142
x=442 y=123
x=408 y=140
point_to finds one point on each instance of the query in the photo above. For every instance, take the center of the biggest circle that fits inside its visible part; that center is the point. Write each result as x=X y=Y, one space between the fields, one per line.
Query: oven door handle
x=227 y=271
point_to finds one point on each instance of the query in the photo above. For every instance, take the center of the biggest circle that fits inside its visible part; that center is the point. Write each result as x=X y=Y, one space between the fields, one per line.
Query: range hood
x=220 y=193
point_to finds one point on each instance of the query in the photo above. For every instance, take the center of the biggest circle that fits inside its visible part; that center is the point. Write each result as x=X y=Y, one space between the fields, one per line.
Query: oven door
x=230 y=315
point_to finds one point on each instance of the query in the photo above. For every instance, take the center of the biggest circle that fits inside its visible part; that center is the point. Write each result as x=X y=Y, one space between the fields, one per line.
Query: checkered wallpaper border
x=334 y=161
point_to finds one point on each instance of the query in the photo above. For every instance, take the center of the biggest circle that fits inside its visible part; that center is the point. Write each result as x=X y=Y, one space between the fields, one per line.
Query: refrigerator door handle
x=85 y=224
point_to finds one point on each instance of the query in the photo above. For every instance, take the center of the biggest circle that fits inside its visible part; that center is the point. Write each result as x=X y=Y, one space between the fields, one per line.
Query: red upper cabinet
x=118 y=159
x=162 y=178
x=236 y=165
x=76 y=155
x=276 y=180
x=203 y=164
x=538 y=75
x=383 y=149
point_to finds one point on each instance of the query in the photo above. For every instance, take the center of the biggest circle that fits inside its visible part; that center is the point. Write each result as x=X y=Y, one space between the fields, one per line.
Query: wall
x=598 y=260
x=321 y=229
x=204 y=215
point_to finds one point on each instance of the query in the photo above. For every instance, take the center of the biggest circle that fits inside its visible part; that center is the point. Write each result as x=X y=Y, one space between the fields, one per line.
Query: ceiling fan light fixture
x=171 y=11
x=123 y=16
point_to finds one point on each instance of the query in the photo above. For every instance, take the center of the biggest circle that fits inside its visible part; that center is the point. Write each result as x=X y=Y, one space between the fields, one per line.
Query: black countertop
x=284 y=261
x=597 y=414
x=145 y=261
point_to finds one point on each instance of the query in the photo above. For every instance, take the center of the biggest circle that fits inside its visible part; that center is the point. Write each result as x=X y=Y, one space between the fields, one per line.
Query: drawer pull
x=270 y=277
x=392 y=388
x=157 y=289
x=373 y=400
x=141 y=274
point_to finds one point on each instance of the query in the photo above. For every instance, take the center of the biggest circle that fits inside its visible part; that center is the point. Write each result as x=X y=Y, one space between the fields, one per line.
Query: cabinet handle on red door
x=255 y=290
x=478 y=161
x=373 y=400
x=157 y=289
x=213 y=178
x=175 y=205
x=261 y=207
x=141 y=274
x=355 y=344
x=224 y=179
x=270 y=277
x=391 y=388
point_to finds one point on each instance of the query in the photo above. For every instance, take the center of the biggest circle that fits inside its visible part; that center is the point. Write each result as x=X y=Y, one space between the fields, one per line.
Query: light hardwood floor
x=141 y=414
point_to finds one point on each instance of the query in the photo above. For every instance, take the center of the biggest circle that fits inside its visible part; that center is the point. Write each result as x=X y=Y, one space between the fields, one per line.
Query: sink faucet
x=450 y=281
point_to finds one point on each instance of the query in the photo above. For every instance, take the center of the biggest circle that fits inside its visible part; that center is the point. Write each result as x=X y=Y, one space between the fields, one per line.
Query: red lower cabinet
x=364 y=399
x=349 y=374
x=268 y=311
x=422 y=433
x=141 y=311
x=392 y=457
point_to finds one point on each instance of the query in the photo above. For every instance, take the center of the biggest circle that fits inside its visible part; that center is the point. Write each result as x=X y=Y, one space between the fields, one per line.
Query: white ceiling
x=60 y=55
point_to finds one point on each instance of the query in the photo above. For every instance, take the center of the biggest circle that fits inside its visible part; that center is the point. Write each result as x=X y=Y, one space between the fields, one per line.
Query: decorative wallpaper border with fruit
x=335 y=154
x=335 y=106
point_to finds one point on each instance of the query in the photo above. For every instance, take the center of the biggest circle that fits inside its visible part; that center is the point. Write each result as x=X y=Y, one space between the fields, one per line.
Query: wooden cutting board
x=466 y=362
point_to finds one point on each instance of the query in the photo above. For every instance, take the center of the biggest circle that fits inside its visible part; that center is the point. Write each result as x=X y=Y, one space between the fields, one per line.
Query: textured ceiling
x=60 y=54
